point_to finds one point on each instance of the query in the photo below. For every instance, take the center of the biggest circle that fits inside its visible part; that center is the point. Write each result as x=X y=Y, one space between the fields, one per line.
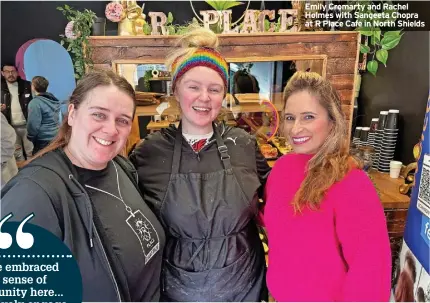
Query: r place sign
x=253 y=21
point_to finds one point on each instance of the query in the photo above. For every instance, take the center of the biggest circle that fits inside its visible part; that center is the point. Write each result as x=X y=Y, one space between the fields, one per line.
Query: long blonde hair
x=332 y=161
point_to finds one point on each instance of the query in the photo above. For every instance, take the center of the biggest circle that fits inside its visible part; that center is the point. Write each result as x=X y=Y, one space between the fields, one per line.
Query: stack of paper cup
x=389 y=140
x=378 y=137
x=395 y=168
x=372 y=132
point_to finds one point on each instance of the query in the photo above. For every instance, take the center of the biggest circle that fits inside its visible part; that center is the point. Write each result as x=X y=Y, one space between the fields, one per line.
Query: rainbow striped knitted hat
x=203 y=56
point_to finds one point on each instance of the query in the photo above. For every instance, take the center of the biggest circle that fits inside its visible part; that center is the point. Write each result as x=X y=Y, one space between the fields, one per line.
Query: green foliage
x=147 y=29
x=172 y=29
x=364 y=49
x=83 y=21
x=379 y=43
x=223 y=5
x=382 y=56
x=372 y=67
x=146 y=77
x=379 y=47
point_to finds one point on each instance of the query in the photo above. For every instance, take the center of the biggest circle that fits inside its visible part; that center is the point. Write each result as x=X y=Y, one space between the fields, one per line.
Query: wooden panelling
x=131 y=41
x=337 y=66
x=342 y=81
x=345 y=96
x=346 y=109
x=341 y=50
x=106 y=54
x=236 y=39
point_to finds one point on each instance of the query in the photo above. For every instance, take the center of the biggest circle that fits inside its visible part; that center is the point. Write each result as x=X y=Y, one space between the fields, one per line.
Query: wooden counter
x=388 y=189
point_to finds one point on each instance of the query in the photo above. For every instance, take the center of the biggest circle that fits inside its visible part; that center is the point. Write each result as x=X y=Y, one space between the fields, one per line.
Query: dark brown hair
x=421 y=296
x=40 y=84
x=332 y=161
x=85 y=85
x=410 y=262
x=405 y=288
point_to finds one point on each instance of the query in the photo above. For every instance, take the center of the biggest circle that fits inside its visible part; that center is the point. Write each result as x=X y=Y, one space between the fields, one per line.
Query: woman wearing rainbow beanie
x=203 y=180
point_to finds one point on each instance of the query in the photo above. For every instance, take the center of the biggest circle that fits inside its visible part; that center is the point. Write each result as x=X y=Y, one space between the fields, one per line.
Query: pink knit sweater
x=340 y=252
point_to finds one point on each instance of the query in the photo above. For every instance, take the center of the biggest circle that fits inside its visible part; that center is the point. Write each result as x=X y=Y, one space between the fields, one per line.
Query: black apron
x=213 y=252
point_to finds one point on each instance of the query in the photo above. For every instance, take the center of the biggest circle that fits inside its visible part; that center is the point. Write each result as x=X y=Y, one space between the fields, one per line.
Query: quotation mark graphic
x=24 y=240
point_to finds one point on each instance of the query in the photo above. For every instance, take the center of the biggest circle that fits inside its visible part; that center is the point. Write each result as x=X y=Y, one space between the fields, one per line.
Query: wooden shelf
x=158 y=125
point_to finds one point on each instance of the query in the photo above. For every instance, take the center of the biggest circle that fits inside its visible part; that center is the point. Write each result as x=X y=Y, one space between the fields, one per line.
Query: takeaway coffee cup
x=374 y=125
x=395 y=167
x=357 y=132
x=382 y=119
x=392 y=119
x=364 y=134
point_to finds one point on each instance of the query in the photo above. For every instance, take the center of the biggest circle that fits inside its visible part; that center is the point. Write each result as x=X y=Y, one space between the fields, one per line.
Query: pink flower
x=114 y=12
x=69 y=30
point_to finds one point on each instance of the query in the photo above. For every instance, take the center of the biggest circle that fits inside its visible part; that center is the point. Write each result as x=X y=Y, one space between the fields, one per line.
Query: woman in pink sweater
x=327 y=234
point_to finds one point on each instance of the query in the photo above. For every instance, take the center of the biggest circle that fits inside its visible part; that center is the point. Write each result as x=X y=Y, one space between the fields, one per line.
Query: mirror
x=253 y=100
x=249 y=81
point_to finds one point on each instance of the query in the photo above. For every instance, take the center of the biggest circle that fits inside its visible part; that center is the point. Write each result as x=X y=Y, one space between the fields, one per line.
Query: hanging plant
x=380 y=44
x=76 y=36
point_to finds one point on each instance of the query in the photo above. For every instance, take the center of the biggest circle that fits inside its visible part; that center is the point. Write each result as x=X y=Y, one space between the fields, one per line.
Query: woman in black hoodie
x=84 y=193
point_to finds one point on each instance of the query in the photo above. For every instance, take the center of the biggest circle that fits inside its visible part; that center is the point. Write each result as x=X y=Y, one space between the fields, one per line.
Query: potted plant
x=76 y=37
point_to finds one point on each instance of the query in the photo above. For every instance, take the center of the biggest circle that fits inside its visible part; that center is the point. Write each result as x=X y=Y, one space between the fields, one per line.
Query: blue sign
x=35 y=265
x=417 y=229
x=425 y=229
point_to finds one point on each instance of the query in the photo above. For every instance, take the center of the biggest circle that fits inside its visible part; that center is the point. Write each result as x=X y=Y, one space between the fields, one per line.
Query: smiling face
x=100 y=126
x=200 y=93
x=307 y=124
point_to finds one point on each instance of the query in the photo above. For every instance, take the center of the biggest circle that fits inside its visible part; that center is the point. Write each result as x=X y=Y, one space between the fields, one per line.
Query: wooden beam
x=226 y=39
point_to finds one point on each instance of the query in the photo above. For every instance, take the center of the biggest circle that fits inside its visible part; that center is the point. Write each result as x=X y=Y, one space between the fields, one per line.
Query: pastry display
x=261 y=141
x=282 y=145
x=268 y=151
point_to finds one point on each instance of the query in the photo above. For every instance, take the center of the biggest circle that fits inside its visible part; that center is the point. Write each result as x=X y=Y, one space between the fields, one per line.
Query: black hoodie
x=49 y=188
